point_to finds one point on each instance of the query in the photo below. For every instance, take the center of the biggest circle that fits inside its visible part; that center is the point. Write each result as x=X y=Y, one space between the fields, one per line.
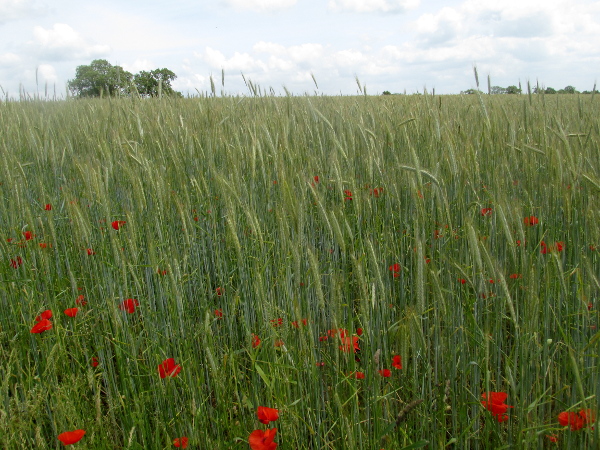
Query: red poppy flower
x=349 y=343
x=397 y=361
x=276 y=322
x=129 y=305
x=316 y=178
x=376 y=192
x=95 y=361
x=90 y=252
x=168 y=368
x=486 y=211
x=385 y=373
x=559 y=246
x=552 y=438
x=322 y=338
x=219 y=291
x=180 y=442
x=44 y=315
x=48 y=207
x=266 y=415
x=219 y=313
x=118 y=224
x=262 y=440
x=16 y=263
x=462 y=280
x=395 y=269
x=44 y=245
x=41 y=326
x=577 y=420
x=515 y=276
x=494 y=402
x=71 y=312
x=348 y=195
x=359 y=375
x=71 y=437
x=359 y=331
x=278 y=343
x=28 y=235
x=531 y=220
x=255 y=341
x=80 y=300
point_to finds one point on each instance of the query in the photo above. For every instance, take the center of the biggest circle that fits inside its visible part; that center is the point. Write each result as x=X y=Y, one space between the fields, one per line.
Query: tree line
x=495 y=90
x=100 y=78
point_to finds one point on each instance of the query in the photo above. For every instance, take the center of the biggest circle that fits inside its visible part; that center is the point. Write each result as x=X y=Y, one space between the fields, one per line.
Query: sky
x=305 y=46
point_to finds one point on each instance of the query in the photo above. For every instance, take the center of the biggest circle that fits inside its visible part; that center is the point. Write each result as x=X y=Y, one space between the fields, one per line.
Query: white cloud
x=47 y=73
x=261 y=5
x=368 y=6
x=61 y=42
x=8 y=59
x=19 y=9
x=139 y=65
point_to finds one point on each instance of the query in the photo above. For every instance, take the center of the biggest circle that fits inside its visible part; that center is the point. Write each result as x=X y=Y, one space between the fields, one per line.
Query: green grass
x=217 y=192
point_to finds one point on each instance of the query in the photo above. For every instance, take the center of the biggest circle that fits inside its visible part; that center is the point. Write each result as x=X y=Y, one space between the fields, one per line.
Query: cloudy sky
x=394 y=45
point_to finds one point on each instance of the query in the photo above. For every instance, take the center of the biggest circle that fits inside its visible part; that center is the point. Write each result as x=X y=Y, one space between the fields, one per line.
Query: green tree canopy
x=150 y=83
x=100 y=78
x=513 y=90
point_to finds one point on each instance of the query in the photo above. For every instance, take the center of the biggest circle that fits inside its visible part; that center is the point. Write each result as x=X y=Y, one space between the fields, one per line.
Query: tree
x=150 y=83
x=513 y=90
x=471 y=91
x=550 y=90
x=387 y=93
x=498 y=90
x=569 y=90
x=100 y=78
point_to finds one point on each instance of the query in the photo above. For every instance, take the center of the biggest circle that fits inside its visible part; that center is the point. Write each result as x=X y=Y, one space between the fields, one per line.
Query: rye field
x=362 y=272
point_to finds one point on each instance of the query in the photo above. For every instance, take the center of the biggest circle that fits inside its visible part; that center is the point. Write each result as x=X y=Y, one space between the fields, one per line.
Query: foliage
x=513 y=90
x=100 y=78
x=151 y=83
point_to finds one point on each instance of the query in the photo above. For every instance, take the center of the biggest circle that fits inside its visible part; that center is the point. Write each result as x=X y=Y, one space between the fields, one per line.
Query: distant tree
x=498 y=90
x=471 y=91
x=550 y=90
x=569 y=90
x=513 y=90
x=100 y=78
x=147 y=83
x=387 y=93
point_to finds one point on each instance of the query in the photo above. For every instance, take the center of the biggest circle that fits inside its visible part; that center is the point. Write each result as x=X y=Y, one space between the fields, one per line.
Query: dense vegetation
x=459 y=234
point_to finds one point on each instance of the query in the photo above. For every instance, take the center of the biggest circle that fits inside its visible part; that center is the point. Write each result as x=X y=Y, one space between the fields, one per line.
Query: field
x=374 y=268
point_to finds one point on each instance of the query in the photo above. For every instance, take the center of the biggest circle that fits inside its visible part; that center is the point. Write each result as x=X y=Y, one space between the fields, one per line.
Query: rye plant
x=260 y=241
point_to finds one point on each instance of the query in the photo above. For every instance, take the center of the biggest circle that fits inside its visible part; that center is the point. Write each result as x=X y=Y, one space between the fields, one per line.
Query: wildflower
x=486 y=211
x=80 y=300
x=44 y=315
x=577 y=420
x=71 y=437
x=219 y=291
x=276 y=322
x=320 y=364
x=180 y=442
x=278 y=343
x=219 y=313
x=90 y=252
x=71 y=312
x=48 y=207
x=168 y=368
x=349 y=343
x=347 y=195
x=255 y=341
x=494 y=402
x=41 y=326
x=531 y=220
x=552 y=438
x=95 y=361
x=376 y=192
x=28 y=235
x=266 y=415
x=386 y=373
x=395 y=269
x=515 y=276
x=316 y=178
x=397 y=361
x=559 y=246
x=359 y=375
x=118 y=224
x=359 y=331
x=44 y=245
x=16 y=263
x=262 y=440
x=462 y=280
x=129 y=305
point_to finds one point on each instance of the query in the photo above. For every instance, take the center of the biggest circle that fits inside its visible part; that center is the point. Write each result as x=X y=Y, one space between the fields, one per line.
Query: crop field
x=302 y=272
